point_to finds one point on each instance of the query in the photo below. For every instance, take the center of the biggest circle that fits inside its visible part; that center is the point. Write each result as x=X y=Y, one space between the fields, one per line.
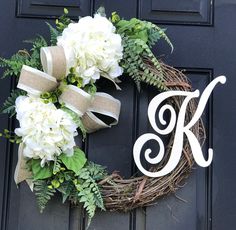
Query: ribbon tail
x=30 y=184
x=112 y=80
x=21 y=172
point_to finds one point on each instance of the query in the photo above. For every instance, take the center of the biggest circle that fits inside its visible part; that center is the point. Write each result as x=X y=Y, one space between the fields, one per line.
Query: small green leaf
x=66 y=11
x=75 y=162
x=115 y=17
x=39 y=172
x=55 y=183
x=43 y=193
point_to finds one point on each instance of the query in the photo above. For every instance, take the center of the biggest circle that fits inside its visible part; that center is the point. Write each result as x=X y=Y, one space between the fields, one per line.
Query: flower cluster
x=45 y=130
x=93 y=48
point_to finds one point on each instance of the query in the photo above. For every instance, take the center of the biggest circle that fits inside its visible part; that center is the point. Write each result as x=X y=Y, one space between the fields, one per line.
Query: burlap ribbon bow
x=88 y=107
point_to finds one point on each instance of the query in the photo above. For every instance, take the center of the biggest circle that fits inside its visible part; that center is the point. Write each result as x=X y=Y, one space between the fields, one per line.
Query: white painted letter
x=180 y=130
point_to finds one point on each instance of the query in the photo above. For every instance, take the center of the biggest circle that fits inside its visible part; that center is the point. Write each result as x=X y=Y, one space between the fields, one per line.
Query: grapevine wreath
x=57 y=94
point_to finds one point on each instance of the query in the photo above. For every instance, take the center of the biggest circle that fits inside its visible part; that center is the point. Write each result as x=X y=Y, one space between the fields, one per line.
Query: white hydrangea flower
x=93 y=47
x=45 y=130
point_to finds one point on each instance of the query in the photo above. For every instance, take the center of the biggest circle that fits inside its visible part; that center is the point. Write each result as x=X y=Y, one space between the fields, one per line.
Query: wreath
x=57 y=95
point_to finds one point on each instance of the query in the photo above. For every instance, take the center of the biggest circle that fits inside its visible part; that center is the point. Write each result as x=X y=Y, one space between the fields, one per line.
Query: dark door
x=203 y=33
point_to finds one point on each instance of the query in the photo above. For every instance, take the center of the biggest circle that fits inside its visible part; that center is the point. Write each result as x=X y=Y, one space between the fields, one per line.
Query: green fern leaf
x=37 y=44
x=14 y=64
x=96 y=171
x=89 y=191
x=43 y=193
x=54 y=33
x=157 y=30
x=9 y=104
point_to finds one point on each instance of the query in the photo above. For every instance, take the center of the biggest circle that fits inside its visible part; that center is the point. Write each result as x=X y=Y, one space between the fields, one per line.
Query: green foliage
x=89 y=192
x=60 y=175
x=63 y=21
x=54 y=33
x=115 y=17
x=11 y=136
x=9 y=104
x=37 y=44
x=43 y=193
x=138 y=37
x=138 y=29
x=77 y=120
x=39 y=172
x=79 y=187
x=136 y=51
x=67 y=189
x=52 y=97
x=90 y=88
x=74 y=162
x=155 y=33
x=74 y=79
x=97 y=172
x=57 y=166
x=14 y=64
x=64 y=178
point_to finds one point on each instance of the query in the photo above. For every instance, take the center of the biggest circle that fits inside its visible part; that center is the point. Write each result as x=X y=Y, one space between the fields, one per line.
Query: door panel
x=203 y=35
x=52 y=9
x=186 y=12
